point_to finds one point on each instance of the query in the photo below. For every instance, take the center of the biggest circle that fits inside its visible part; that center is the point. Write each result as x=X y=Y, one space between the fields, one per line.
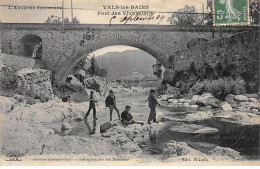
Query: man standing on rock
x=111 y=104
x=152 y=104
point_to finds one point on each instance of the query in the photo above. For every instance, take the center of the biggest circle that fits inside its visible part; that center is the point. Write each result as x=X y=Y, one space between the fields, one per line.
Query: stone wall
x=233 y=56
x=10 y=64
x=35 y=83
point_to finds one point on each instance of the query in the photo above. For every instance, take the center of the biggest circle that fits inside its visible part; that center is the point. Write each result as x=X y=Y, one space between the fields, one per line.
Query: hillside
x=124 y=63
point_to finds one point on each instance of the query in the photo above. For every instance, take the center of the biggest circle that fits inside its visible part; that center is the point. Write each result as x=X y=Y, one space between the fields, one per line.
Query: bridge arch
x=68 y=65
x=28 y=43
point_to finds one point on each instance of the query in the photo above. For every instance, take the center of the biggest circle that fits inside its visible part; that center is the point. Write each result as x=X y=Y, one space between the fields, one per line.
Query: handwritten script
x=134 y=18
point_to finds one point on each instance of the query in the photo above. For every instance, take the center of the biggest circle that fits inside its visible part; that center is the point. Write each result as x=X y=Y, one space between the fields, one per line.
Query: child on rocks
x=111 y=104
x=92 y=102
x=127 y=118
x=152 y=104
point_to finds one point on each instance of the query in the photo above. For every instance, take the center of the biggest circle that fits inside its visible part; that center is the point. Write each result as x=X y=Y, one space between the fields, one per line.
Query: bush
x=220 y=88
x=8 y=79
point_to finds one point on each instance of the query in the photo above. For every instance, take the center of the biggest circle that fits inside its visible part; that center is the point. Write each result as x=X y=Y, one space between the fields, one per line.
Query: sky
x=88 y=12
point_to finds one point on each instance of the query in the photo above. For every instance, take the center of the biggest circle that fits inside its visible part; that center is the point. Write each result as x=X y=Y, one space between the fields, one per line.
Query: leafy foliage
x=57 y=20
x=95 y=70
x=220 y=88
x=186 y=17
x=254 y=12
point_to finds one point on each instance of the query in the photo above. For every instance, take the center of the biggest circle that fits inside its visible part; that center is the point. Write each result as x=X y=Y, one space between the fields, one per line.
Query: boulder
x=204 y=99
x=170 y=100
x=131 y=147
x=206 y=130
x=164 y=97
x=252 y=95
x=194 y=107
x=193 y=128
x=65 y=126
x=200 y=115
x=6 y=104
x=104 y=127
x=195 y=97
x=222 y=153
x=193 y=102
x=230 y=100
x=182 y=100
x=129 y=131
x=175 y=149
x=173 y=101
x=242 y=118
x=254 y=100
x=120 y=129
x=213 y=102
x=225 y=106
x=109 y=134
x=186 y=104
x=18 y=97
x=187 y=101
x=138 y=140
x=241 y=98
x=249 y=104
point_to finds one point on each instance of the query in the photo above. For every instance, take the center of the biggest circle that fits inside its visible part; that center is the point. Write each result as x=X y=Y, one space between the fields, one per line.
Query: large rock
x=254 y=100
x=98 y=84
x=194 y=107
x=222 y=153
x=207 y=99
x=193 y=128
x=65 y=126
x=225 y=106
x=6 y=104
x=230 y=99
x=48 y=112
x=199 y=116
x=104 y=127
x=250 y=105
x=35 y=83
x=132 y=148
x=252 y=95
x=243 y=118
x=76 y=91
x=172 y=101
x=164 y=97
x=35 y=139
x=241 y=98
x=175 y=149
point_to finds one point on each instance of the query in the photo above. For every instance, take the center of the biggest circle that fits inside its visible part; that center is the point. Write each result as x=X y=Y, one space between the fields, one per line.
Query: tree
x=186 y=17
x=95 y=70
x=254 y=6
x=57 y=20
x=103 y=73
x=209 y=16
x=75 y=20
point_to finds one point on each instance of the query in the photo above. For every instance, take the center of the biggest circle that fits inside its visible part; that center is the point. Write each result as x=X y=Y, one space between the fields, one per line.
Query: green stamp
x=228 y=12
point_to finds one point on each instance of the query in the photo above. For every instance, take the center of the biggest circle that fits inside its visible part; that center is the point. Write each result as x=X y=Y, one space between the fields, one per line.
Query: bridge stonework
x=63 y=48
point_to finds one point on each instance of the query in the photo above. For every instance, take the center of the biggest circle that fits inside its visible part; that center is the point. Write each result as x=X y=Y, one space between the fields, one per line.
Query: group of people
x=126 y=117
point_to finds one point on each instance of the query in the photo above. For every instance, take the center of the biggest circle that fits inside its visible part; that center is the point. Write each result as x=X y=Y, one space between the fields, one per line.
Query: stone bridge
x=63 y=47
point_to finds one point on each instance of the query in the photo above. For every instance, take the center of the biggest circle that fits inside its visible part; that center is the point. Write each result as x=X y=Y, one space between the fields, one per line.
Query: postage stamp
x=231 y=12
